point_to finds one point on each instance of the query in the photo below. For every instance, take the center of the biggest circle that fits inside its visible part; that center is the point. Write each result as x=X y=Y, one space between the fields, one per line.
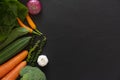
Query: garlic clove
x=42 y=60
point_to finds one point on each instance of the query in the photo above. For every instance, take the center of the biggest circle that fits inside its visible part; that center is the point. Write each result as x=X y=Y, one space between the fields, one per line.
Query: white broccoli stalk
x=42 y=60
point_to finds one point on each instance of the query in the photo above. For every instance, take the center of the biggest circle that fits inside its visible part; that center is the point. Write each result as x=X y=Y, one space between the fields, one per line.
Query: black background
x=83 y=39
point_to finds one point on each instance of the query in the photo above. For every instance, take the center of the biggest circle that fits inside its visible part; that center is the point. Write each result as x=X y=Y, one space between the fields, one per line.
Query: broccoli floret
x=32 y=73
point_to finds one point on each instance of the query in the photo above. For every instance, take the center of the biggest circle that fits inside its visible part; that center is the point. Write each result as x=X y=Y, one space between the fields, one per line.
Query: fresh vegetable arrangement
x=21 y=45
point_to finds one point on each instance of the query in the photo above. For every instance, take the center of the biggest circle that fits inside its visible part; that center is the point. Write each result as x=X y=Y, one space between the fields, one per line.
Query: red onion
x=34 y=6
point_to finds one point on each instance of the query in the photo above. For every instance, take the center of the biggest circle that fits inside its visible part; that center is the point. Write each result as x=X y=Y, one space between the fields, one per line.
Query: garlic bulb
x=42 y=60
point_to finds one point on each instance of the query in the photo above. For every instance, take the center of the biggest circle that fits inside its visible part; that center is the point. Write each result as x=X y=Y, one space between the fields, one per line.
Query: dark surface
x=83 y=39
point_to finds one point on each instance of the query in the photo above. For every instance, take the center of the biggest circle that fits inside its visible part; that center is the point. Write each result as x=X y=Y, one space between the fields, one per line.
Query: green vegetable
x=13 y=48
x=32 y=73
x=9 y=10
x=36 y=50
x=17 y=32
x=31 y=50
x=35 y=56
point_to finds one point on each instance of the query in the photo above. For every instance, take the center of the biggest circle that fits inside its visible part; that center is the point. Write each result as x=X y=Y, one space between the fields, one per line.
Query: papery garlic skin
x=42 y=60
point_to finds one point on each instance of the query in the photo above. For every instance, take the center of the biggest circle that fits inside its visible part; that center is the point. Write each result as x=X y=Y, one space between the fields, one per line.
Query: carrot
x=23 y=25
x=31 y=23
x=9 y=65
x=12 y=75
x=26 y=27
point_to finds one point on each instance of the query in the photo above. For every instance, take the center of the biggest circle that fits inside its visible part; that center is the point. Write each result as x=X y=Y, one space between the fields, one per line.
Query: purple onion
x=34 y=6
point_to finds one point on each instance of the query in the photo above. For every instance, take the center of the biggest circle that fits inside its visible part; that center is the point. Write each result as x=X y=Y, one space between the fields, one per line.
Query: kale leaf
x=9 y=10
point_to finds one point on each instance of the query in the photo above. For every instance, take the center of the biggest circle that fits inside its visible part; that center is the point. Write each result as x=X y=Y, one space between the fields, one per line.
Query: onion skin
x=34 y=6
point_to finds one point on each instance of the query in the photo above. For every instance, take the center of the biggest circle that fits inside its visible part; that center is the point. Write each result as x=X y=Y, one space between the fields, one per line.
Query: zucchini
x=13 y=48
x=17 y=32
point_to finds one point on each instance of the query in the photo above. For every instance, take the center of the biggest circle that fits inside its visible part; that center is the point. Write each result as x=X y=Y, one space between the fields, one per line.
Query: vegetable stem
x=38 y=31
x=43 y=42
x=32 y=49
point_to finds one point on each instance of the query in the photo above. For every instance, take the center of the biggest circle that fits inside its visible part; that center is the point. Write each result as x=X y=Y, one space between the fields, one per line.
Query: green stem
x=34 y=32
x=38 y=31
x=32 y=49
x=43 y=42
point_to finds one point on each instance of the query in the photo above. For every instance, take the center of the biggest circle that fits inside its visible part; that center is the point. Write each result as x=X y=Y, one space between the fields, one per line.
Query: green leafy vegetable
x=9 y=10
x=32 y=73
x=40 y=49
x=6 y=22
x=36 y=50
x=32 y=50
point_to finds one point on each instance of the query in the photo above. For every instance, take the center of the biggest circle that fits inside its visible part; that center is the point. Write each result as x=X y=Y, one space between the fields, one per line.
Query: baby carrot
x=23 y=25
x=32 y=24
x=26 y=27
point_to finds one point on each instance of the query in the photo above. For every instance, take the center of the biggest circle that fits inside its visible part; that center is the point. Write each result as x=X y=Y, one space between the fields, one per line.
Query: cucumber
x=17 y=32
x=13 y=48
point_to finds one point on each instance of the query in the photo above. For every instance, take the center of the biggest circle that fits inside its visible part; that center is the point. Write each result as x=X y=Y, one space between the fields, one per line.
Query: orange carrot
x=26 y=27
x=12 y=75
x=31 y=23
x=9 y=65
x=23 y=25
